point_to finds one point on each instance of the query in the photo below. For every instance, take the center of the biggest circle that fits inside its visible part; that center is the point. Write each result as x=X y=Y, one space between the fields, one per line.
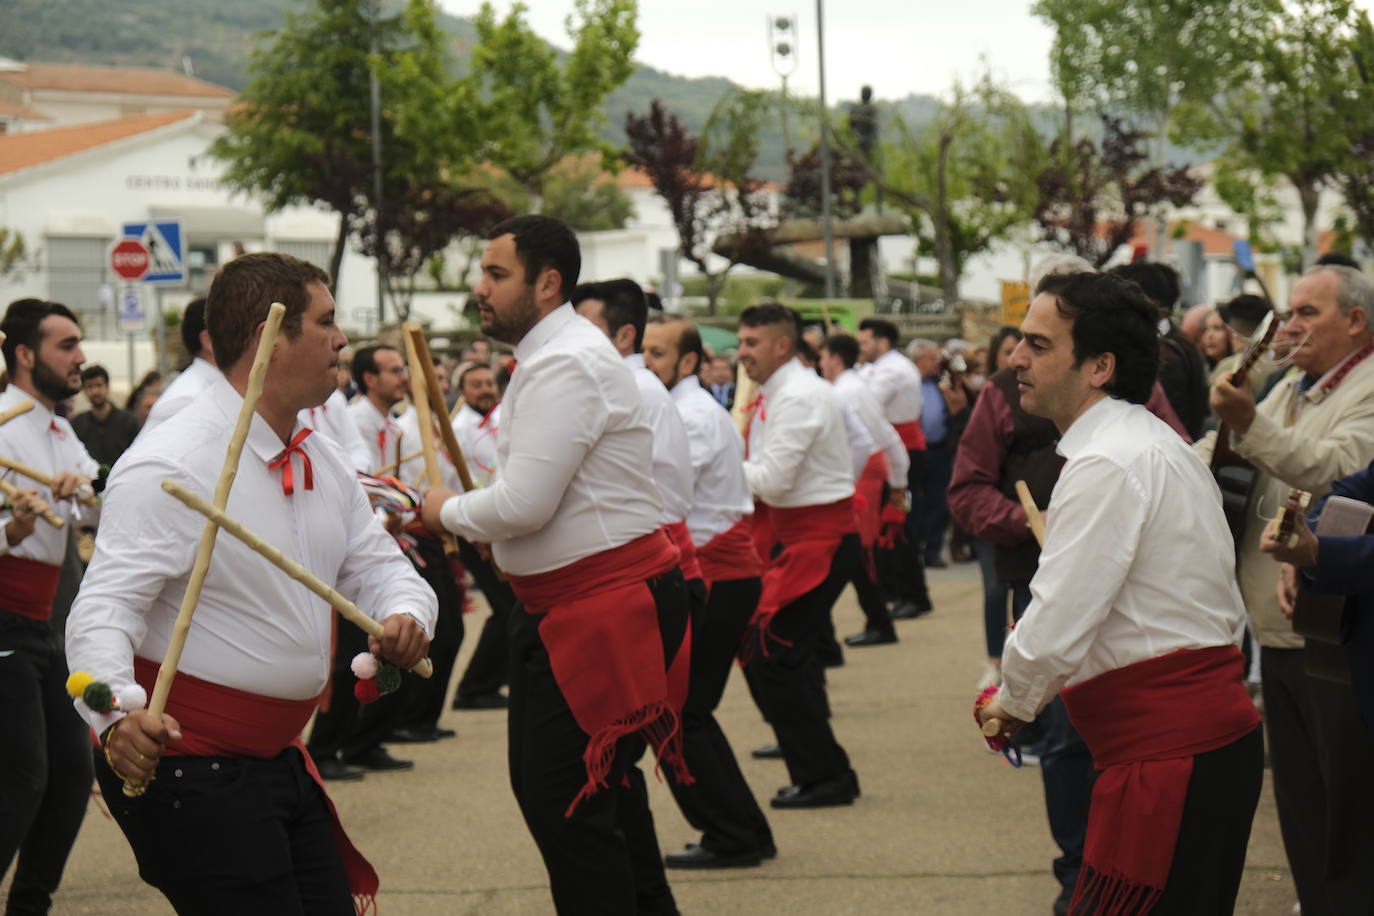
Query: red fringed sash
x=688 y=561
x=913 y=437
x=731 y=554
x=1144 y=723
x=809 y=536
x=606 y=651
x=219 y=721
x=30 y=586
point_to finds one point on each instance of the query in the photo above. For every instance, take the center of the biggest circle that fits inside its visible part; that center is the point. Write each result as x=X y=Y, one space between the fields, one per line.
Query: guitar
x=1324 y=621
x=1234 y=475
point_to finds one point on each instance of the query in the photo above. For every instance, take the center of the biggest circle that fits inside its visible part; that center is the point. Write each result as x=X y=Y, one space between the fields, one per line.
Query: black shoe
x=832 y=661
x=909 y=610
x=767 y=752
x=698 y=856
x=828 y=793
x=333 y=769
x=411 y=734
x=378 y=760
x=769 y=851
x=870 y=638
x=496 y=700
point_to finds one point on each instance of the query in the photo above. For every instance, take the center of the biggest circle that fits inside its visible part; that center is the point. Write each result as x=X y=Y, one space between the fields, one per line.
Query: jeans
x=995 y=594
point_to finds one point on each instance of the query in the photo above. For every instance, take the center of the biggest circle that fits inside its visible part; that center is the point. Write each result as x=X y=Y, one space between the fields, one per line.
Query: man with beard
x=45 y=763
x=105 y=430
x=383 y=381
x=573 y=519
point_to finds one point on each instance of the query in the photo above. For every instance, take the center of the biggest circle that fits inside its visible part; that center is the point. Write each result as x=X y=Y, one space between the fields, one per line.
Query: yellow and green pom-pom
x=98 y=697
x=388 y=679
x=77 y=682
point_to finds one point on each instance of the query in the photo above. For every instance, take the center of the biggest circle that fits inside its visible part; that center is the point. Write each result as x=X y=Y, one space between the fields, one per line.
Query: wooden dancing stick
x=396 y=465
x=85 y=498
x=744 y=397
x=17 y=410
x=417 y=337
x=347 y=609
x=11 y=491
x=1033 y=516
x=182 y=627
x=420 y=396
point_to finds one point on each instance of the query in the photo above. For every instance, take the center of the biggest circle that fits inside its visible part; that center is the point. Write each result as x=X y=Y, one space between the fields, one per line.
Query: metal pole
x=376 y=90
x=160 y=329
x=827 y=227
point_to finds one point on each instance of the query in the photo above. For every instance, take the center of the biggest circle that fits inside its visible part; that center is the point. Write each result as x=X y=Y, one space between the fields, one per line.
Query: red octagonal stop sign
x=129 y=258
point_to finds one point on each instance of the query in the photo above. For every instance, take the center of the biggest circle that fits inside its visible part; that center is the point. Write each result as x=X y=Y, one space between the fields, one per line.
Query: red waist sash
x=868 y=498
x=913 y=437
x=30 y=586
x=1144 y=723
x=809 y=536
x=731 y=554
x=606 y=651
x=688 y=560
x=219 y=721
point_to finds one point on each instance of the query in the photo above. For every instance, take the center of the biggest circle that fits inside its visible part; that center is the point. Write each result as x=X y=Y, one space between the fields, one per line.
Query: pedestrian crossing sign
x=166 y=250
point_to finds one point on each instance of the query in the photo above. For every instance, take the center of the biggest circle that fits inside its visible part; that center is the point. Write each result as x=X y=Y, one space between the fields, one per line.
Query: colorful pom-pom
x=98 y=697
x=132 y=697
x=77 y=682
x=388 y=679
x=366 y=691
x=365 y=665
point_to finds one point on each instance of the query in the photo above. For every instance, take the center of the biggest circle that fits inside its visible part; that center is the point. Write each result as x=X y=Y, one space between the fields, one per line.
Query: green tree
x=16 y=259
x=1355 y=105
x=537 y=109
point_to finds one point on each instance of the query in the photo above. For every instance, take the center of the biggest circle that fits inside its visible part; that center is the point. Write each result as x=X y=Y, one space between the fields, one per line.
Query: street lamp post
x=375 y=88
x=827 y=226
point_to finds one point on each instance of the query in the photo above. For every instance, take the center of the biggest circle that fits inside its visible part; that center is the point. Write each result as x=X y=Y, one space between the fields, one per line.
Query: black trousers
x=788 y=682
x=604 y=859
x=45 y=762
x=225 y=836
x=719 y=803
x=350 y=728
x=877 y=617
x=422 y=699
x=901 y=574
x=489 y=668
x=1323 y=760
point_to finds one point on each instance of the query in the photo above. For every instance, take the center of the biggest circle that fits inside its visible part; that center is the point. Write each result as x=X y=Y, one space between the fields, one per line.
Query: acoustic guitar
x=1235 y=475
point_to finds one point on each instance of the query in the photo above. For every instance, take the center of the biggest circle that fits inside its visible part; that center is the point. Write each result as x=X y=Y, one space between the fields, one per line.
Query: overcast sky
x=898 y=46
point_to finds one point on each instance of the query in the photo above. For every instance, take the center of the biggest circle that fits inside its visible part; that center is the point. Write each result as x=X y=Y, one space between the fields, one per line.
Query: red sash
x=1144 y=723
x=730 y=554
x=868 y=498
x=913 y=437
x=606 y=651
x=688 y=561
x=30 y=586
x=219 y=721
x=809 y=536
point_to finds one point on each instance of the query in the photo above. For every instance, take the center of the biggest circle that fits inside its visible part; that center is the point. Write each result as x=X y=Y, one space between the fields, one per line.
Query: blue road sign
x=166 y=250
x=131 y=315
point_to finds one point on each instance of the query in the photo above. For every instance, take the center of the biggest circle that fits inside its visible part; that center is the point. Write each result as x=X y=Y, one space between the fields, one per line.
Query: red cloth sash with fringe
x=219 y=721
x=1144 y=723
x=913 y=437
x=688 y=560
x=731 y=554
x=606 y=651
x=868 y=508
x=809 y=536
x=30 y=586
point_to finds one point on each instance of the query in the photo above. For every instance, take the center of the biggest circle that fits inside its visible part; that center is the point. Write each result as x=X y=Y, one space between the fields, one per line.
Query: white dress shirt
x=332 y=419
x=476 y=435
x=798 y=451
x=380 y=432
x=574 y=455
x=897 y=386
x=856 y=434
x=47 y=443
x=672 y=464
x=885 y=439
x=255 y=629
x=1138 y=560
x=184 y=389
x=720 y=492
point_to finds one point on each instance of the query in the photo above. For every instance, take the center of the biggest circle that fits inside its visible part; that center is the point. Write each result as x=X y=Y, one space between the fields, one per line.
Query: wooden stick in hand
x=1033 y=516
x=12 y=492
x=85 y=498
x=18 y=410
x=347 y=609
x=416 y=336
x=419 y=394
x=182 y=627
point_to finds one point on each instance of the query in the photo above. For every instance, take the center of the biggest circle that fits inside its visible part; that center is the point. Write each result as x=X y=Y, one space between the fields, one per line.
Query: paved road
x=943 y=827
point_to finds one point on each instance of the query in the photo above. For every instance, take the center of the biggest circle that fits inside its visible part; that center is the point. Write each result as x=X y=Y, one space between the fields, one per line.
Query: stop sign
x=129 y=258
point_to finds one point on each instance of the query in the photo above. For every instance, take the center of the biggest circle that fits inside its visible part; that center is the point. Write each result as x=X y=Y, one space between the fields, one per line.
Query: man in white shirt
x=192 y=380
x=620 y=309
x=1135 y=616
x=735 y=831
x=477 y=421
x=573 y=519
x=799 y=470
x=225 y=758
x=333 y=420
x=46 y=765
x=881 y=484
x=382 y=380
x=897 y=386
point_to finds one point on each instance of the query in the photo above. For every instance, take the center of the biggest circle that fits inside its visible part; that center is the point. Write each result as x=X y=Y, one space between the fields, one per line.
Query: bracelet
x=105 y=738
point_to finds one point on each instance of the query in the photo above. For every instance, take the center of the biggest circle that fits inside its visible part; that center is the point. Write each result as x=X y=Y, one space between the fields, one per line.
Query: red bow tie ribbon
x=54 y=428
x=283 y=461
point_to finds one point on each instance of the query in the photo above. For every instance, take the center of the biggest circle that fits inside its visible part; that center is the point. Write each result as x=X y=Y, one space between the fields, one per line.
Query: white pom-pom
x=365 y=665
x=132 y=697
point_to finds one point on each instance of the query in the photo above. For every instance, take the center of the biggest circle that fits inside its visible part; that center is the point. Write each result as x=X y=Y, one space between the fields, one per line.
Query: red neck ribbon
x=283 y=461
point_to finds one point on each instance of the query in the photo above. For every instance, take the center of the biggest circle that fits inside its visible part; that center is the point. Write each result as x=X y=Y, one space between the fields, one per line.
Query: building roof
x=10 y=109
x=1214 y=241
x=23 y=150
x=121 y=80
